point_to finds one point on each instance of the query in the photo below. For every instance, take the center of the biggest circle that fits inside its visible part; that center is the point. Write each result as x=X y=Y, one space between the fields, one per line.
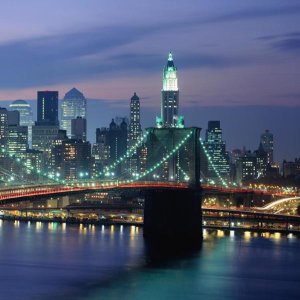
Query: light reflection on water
x=64 y=261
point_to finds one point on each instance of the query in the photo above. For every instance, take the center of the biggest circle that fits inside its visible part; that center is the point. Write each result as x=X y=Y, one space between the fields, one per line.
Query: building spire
x=170 y=56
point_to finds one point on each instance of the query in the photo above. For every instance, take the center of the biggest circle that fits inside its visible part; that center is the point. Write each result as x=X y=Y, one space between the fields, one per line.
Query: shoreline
x=74 y=221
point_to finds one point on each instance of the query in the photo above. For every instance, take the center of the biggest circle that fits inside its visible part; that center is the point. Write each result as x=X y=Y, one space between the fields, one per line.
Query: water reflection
x=117 y=262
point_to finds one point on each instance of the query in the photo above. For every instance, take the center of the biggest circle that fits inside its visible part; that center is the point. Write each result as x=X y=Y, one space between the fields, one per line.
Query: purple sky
x=231 y=55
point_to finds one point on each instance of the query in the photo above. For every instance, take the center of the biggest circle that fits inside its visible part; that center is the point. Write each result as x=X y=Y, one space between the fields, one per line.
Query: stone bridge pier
x=173 y=215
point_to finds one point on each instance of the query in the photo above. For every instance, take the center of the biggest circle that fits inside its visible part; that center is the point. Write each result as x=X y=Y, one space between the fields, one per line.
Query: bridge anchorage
x=174 y=215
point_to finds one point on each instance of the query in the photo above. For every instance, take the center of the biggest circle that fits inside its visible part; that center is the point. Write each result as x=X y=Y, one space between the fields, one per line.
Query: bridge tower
x=173 y=214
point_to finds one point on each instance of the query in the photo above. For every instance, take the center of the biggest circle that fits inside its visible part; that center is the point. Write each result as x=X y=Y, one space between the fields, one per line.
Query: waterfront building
x=26 y=118
x=267 y=141
x=291 y=169
x=56 y=159
x=73 y=105
x=261 y=161
x=47 y=126
x=78 y=129
x=3 y=128
x=117 y=139
x=134 y=133
x=76 y=159
x=170 y=97
x=43 y=136
x=111 y=144
x=34 y=161
x=101 y=150
x=135 y=129
x=246 y=167
x=216 y=149
x=17 y=140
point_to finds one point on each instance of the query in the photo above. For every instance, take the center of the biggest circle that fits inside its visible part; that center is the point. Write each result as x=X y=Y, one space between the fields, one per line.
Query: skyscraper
x=25 y=111
x=135 y=129
x=3 y=128
x=216 y=149
x=73 y=106
x=47 y=108
x=267 y=142
x=170 y=96
x=78 y=129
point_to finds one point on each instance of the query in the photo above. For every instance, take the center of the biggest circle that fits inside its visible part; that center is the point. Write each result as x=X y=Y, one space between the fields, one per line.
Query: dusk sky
x=238 y=61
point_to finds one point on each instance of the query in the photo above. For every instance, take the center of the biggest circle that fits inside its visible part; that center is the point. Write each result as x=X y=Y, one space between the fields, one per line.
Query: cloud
x=62 y=58
x=93 y=52
x=253 y=13
x=292 y=44
x=289 y=41
x=279 y=36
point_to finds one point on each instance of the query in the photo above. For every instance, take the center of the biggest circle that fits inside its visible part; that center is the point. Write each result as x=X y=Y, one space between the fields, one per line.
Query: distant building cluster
x=57 y=147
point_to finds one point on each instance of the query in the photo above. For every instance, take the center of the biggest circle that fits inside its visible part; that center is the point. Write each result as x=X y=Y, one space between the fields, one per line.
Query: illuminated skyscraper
x=267 y=142
x=216 y=149
x=3 y=128
x=73 y=106
x=135 y=129
x=25 y=111
x=170 y=97
x=47 y=108
x=134 y=133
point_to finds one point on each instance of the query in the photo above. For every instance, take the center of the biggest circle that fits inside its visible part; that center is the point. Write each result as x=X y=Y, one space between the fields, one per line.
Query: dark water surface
x=58 y=261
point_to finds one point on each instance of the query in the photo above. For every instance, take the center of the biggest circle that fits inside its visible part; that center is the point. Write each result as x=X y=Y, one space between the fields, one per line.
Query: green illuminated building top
x=170 y=96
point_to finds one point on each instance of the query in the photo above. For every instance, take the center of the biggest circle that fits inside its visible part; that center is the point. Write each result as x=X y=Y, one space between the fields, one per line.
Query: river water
x=59 y=261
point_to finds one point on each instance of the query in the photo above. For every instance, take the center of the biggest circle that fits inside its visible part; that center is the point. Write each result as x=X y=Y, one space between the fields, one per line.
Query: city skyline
x=241 y=62
x=150 y=149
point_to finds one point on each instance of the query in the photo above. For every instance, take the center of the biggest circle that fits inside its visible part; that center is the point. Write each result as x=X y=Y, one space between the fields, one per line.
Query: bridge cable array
x=128 y=154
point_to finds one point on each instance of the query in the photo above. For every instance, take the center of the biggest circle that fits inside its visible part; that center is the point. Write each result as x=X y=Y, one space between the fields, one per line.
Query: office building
x=26 y=118
x=3 y=128
x=76 y=159
x=170 y=97
x=73 y=106
x=216 y=150
x=17 y=140
x=117 y=139
x=43 y=137
x=267 y=141
x=47 y=108
x=246 y=167
x=78 y=129
x=135 y=129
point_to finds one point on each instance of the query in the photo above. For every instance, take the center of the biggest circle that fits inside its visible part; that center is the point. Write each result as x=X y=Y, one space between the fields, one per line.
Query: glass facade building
x=25 y=112
x=216 y=149
x=73 y=106
x=47 y=108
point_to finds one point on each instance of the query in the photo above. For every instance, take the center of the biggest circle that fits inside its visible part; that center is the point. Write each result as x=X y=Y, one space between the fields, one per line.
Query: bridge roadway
x=16 y=194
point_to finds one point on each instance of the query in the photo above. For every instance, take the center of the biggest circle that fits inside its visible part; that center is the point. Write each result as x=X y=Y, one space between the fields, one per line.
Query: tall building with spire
x=135 y=129
x=170 y=97
x=73 y=106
